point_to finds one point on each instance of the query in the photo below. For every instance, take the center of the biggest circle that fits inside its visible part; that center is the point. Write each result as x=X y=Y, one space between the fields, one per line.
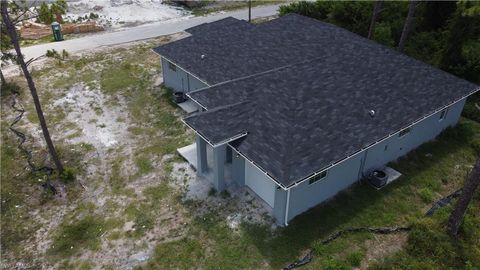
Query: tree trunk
x=407 y=26
x=2 y=78
x=458 y=212
x=376 y=11
x=12 y=33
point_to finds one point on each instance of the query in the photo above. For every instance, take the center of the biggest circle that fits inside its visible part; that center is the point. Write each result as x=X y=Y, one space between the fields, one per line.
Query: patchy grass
x=430 y=247
x=78 y=231
x=207 y=242
x=144 y=165
x=17 y=225
x=438 y=166
x=180 y=254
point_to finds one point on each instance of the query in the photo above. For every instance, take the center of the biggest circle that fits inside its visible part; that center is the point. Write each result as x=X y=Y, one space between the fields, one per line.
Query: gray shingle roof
x=302 y=116
x=245 y=49
x=228 y=23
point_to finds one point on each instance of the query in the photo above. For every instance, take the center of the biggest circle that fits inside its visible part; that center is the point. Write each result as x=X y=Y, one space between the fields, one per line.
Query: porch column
x=219 y=154
x=201 y=155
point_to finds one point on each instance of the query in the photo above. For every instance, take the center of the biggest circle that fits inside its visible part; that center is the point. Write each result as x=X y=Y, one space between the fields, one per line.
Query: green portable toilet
x=57 y=31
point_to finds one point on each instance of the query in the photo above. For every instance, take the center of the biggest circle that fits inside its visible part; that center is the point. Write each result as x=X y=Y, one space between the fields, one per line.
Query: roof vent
x=202 y=56
x=372 y=113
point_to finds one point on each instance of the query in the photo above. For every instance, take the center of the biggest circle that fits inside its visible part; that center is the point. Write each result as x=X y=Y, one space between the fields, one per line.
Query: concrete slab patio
x=188 y=106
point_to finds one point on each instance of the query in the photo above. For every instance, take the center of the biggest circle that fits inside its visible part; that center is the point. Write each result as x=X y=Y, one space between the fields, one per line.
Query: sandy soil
x=381 y=246
x=124 y=13
x=102 y=121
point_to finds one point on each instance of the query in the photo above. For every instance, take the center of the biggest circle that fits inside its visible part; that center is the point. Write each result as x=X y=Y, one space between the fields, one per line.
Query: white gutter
x=196 y=101
x=287 y=205
x=233 y=138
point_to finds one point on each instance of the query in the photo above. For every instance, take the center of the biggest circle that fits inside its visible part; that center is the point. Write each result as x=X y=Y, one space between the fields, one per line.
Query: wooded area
x=443 y=34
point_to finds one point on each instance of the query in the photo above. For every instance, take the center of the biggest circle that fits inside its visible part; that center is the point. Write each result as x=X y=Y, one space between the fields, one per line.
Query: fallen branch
x=382 y=230
x=443 y=202
x=22 y=138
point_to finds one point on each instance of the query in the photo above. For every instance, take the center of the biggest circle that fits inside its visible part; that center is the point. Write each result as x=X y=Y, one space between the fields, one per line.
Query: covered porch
x=219 y=164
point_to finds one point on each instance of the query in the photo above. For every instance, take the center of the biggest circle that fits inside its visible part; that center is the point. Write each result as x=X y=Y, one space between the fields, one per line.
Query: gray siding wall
x=257 y=181
x=426 y=130
x=179 y=80
x=339 y=177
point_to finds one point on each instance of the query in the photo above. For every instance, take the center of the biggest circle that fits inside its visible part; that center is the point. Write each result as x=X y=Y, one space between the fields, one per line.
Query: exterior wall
x=305 y=195
x=339 y=177
x=260 y=183
x=179 y=80
x=426 y=130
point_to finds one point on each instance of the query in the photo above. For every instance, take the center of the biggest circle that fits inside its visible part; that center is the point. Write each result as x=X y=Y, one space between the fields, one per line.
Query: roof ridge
x=290 y=146
x=256 y=74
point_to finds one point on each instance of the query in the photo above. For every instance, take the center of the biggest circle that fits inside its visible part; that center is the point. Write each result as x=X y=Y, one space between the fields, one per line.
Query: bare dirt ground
x=381 y=246
x=117 y=172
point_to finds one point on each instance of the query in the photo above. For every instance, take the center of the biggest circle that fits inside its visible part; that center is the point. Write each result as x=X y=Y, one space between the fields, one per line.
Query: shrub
x=68 y=174
x=212 y=192
x=225 y=194
x=427 y=195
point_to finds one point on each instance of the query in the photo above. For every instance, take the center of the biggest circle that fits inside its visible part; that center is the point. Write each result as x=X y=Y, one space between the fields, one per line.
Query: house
x=298 y=110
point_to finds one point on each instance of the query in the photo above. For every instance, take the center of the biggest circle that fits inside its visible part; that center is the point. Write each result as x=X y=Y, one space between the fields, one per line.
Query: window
x=443 y=114
x=317 y=177
x=404 y=132
x=172 y=67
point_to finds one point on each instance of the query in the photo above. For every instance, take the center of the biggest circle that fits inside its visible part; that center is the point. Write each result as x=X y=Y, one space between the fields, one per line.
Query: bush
x=68 y=174
x=8 y=88
x=470 y=110
x=427 y=195
x=212 y=192
x=383 y=34
x=225 y=194
x=318 y=10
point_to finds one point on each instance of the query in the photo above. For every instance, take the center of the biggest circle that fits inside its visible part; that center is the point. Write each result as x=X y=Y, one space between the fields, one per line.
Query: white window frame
x=316 y=178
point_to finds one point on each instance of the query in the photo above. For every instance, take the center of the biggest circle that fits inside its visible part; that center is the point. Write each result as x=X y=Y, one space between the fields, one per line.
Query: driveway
x=142 y=32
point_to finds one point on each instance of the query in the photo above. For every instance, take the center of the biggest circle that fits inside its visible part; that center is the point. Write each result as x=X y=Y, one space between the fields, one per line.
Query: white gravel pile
x=118 y=13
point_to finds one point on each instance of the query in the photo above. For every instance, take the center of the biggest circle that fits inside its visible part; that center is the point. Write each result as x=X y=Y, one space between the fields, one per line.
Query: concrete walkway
x=142 y=32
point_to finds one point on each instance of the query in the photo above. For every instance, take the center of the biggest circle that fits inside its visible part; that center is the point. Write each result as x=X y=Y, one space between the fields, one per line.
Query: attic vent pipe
x=372 y=113
x=202 y=56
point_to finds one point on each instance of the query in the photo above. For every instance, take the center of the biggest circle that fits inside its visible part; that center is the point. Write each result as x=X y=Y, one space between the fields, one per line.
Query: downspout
x=287 y=205
x=362 y=166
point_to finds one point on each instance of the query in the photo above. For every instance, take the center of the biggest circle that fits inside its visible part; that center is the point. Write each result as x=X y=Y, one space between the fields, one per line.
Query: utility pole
x=249 y=11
